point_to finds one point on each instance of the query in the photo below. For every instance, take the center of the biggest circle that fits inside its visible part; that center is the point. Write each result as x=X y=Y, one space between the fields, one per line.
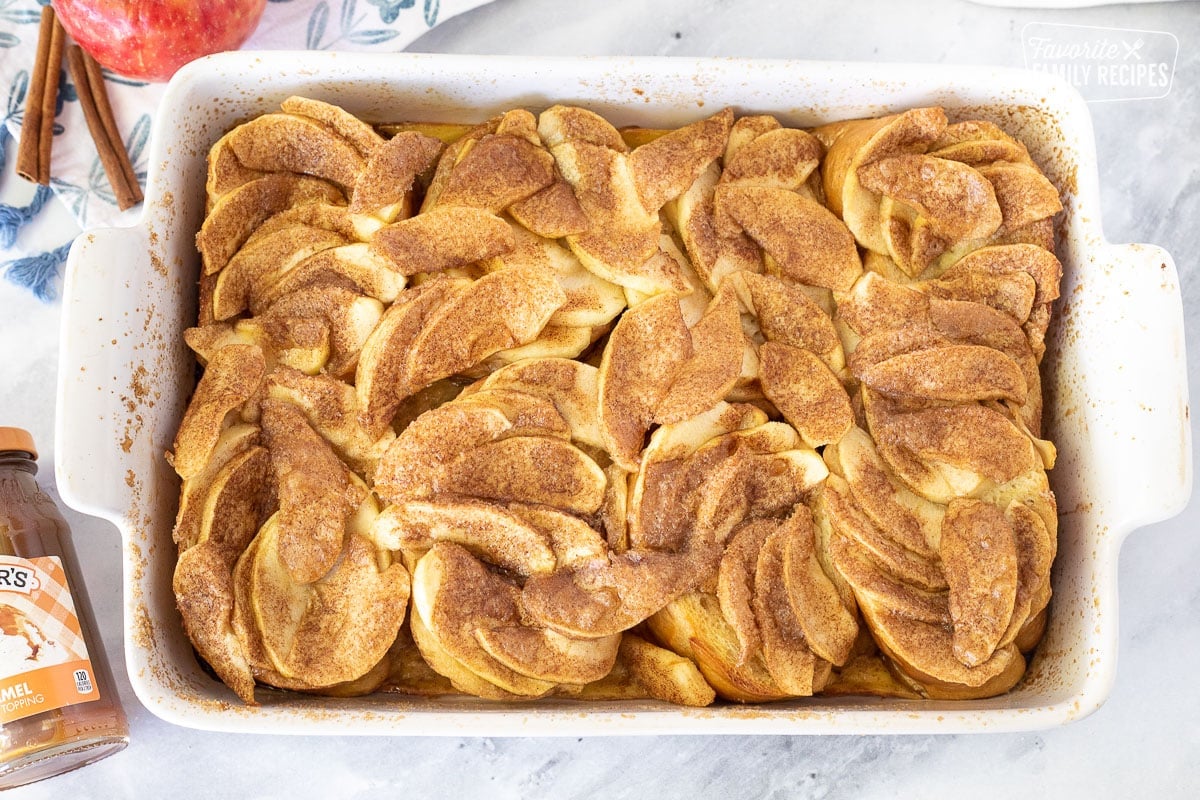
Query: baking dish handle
x=1148 y=364
x=93 y=406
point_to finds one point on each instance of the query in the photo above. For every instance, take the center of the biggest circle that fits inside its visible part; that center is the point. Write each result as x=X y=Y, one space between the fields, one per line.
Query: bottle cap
x=17 y=439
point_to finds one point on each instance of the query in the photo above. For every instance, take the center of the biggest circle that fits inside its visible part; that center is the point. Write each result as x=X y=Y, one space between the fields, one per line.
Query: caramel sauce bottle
x=59 y=707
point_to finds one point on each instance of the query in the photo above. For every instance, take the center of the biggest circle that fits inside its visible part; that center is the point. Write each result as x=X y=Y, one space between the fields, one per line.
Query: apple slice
x=694 y=627
x=875 y=304
x=912 y=521
x=232 y=442
x=781 y=158
x=233 y=508
x=334 y=630
x=735 y=584
x=202 y=584
x=416 y=464
x=382 y=380
x=663 y=674
x=572 y=540
x=614 y=513
x=554 y=341
x=359 y=134
x=714 y=253
x=349 y=317
x=808 y=395
x=455 y=595
x=415 y=460
x=547 y=655
x=441 y=239
x=979 y=554
x=486 y=530
x=665 y=167
x=1012 y=292
x=1036 y=548
x=744 y=131
x=785 y=314
x=852 y=143
x=264 y=260
x=529 y=469
x=225 y=173
x=830 y=630
x=559 y=124
x=445 y=665
x=622 y=237
x=552 y=212
x=572 y=386
x=807 y=242
x=849 y=521
x=788 y=658
x=495 y=171
x=353 y=264
x=501 y=310
x=591 y=301
x=300 y=343
x=450 y=156
x=949 y=451
x=875 y=586
x=390 y=173
x=233 y=375
x=316 y=492
x=978 y=142
x=331 y=407
x=296 y=144
x=953 y=373
x=327 y=216
x=1025 y=196
x=528 y=413
x=714 y=366
x=925 y=653
x=604 y=596
x=659 y=517
x=1038 y=263
x=237 y=214
x=954 y=200
x=743 y=483
x=639 y=365
x=976 y=324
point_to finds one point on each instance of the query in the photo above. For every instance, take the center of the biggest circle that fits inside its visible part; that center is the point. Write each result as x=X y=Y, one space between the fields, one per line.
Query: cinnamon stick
x=29 y=152
x=108 y=144
x=100 y=93
x=50 y=101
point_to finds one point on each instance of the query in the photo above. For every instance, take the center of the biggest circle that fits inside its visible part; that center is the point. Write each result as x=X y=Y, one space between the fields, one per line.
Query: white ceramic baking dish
x=1115 y=371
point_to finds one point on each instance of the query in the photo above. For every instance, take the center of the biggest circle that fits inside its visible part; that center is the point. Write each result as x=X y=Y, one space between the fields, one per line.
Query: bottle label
x=44 y=662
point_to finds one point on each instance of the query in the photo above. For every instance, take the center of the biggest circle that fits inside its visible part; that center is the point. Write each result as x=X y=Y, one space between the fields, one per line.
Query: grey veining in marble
x=1145 y=742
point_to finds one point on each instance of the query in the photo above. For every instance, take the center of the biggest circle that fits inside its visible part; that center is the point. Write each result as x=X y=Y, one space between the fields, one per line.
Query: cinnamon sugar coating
x=540 y=407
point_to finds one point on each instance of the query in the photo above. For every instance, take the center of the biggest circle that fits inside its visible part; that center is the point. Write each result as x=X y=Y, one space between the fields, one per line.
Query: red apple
x=150 y=39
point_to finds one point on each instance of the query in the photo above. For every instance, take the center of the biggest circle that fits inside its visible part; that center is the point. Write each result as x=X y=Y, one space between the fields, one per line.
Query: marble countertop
x=1144 y=742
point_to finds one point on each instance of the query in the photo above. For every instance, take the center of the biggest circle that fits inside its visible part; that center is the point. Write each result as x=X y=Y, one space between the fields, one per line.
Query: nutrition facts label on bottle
x=44 y=661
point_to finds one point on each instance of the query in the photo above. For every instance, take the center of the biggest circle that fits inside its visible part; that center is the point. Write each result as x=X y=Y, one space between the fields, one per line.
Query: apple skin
x=150 y=39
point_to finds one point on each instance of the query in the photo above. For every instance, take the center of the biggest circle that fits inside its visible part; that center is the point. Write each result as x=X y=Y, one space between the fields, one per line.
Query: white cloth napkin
x=78 y=179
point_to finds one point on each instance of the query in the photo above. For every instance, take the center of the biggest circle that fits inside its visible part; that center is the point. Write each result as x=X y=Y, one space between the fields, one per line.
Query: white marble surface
x=1145 y=742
